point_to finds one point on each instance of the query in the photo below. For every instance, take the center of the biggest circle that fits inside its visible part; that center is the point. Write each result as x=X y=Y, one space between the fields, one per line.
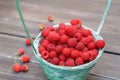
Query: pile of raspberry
x=69 y=45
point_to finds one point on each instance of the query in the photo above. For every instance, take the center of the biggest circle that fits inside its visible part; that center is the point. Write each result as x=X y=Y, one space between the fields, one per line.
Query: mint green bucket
x=54 y=72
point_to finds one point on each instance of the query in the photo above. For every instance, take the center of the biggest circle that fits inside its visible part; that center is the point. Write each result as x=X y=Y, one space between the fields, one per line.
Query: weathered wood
x=108 y=66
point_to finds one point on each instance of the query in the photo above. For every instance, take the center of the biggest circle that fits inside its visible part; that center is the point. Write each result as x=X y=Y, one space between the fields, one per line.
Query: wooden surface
x=12 y=34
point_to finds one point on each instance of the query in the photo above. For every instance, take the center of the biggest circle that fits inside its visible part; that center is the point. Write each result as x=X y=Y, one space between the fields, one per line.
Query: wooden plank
x=108 y=66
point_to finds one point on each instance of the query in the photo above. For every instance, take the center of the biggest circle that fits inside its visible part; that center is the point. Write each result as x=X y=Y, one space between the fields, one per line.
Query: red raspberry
x=55 y=60
x=45 y=32
x=24 y=68
x=75 y=22
x=49 y=59
x=59 y=49
x=70 y=31
x=78 y=36
x=62 y=57
x=42 y=26
x=51 y=28
x=75 y=54
x=93 y=55
x=61 y=26
x=41 y=48
x=64 y=39
x=21 y=51
x=91 y=45
x=85 y=40
x=45 y=43
x=80 y=46
x=95 y=50
x=53 y=54
x=100 y=44
x=85 y=55
x=50 y=47
x=45 y=54
x=90 y=38
x=79 y=61
x=25 y=58
x=51 y=18
x=27 y=41
x=61 y=63
x=85 y=32
x=85 y=49
x=66 y=51
x=72 y=42
x=16 y=68
x=61 y=32
x=53 y=37
x=70 y=62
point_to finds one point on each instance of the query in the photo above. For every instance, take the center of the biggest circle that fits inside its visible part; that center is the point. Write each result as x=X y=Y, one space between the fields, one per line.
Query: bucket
x=55 y=72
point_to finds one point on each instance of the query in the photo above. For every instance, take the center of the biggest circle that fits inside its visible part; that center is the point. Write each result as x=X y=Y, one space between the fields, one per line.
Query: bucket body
x=54 y=72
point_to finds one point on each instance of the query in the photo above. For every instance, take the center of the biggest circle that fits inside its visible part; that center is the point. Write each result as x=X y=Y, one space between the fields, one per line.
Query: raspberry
x=27 y=41
x=72 y=42
x=53 y=37
x=42 y=26
x=91 y=45
x=75 y=54
x=95 y=50
x=75 y=22
x=21 y=51
x=41 y=48
x=55 y=60
x=93 y=55
x=85 y=49
x=16 y=68
x=64 y=39
x=25 y=58
x=79 y=61
x=66 y=51
x=49 y=59
x=61 y=63
x=78 y=36
x=51 y=18
x=70 y=62
x=45 y=32
x=80 y=46
x=61 y=26
x=85 y=40
x=61 y=32
x=100 y=44
x=51 y=28
x=45 y=54
x=24 y=68
x=85 y=55
x=45 y=43
x=85 y=32
x=59 y=49
x=70 y=31
x=50 y=47
x=53 y=54
x=90 y=38
x=62 y=57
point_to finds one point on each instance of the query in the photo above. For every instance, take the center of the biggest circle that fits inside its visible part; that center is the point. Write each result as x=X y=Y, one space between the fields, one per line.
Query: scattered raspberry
x=16 y=68
x=51 y=18
x=100 y=44
x=61 y=63
x=62 y=57
x=27 y=41
x=45 y=54
x=85 y=55
x=21 y=51
x=53 y=54
x=72 y=42
x=64 y=39
x=80 y=46
x=59 y=49
x=75 y=22
x=42 y=26
x=41 y=48
x=25 y=58
x=75 y=53
x=91 y=45
x=79 y=61
x=53 y=37
x=70 y=62
x=24 y=68
x=66 y=51
x=55 y=60
x=45 y=32
x=50 y=47
x=78 y=36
